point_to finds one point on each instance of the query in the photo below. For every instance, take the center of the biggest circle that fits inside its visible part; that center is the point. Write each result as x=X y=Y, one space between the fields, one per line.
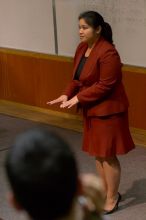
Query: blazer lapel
x=92 y=59
x=79 y=56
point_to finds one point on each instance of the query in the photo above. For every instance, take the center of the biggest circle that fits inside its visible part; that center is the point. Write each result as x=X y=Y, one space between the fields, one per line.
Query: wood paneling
x=34 y=78
x=135 y=85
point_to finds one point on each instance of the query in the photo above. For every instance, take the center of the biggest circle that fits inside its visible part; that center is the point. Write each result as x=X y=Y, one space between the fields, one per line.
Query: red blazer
x=100 y=90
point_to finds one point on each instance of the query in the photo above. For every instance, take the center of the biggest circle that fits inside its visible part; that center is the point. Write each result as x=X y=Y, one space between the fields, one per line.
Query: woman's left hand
x=70 y=103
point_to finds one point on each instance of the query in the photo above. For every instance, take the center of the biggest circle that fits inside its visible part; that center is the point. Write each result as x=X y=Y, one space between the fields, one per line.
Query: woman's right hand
x=62 y=98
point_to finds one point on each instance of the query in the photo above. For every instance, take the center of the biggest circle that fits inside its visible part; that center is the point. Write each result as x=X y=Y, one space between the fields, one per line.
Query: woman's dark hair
x=94 y=19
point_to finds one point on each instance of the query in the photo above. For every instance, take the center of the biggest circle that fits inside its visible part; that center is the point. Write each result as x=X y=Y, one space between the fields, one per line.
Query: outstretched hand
x=62 y=98
x=70 y=103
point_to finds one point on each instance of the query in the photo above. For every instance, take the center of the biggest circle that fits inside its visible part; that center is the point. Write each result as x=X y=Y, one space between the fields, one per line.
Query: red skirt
x=107 y=136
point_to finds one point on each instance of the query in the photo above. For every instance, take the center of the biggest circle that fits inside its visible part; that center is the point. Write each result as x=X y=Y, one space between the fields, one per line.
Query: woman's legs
x=111 y=178
x=100 y=170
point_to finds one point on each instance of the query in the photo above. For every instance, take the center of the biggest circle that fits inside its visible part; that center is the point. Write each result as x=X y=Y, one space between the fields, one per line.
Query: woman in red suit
x=97 y=88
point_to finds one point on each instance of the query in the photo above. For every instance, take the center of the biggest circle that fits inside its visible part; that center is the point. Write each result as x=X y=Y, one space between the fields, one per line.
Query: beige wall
x=27 y=24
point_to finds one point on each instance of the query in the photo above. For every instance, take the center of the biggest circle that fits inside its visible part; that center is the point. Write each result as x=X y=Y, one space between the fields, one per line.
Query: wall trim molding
x=128 y=68
x=35 y=54
x=55 y=118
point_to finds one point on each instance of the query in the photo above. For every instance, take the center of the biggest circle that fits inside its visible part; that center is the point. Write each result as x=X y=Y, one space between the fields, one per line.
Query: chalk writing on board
x=131 y=14
x=127 y=19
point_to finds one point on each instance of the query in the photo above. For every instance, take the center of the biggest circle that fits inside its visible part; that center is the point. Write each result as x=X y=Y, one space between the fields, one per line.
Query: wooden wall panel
x=135 y=85
x=53 y=78
x=19 y=79
x=2 y=74
x=1 y=77
x=33 y=79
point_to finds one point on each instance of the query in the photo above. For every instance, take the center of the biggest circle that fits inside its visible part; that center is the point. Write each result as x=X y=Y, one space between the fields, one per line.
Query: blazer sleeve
x=71 y=89
x=110 y=75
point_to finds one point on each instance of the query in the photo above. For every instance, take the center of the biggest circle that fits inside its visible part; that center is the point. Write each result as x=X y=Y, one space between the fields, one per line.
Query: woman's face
x=87 y=33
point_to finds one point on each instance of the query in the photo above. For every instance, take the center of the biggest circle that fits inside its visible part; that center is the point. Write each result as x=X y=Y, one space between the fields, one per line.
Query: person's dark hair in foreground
x=43 y=174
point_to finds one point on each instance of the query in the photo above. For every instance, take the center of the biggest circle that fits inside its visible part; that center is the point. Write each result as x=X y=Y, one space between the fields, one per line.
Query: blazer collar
x=79 y=56
x=91 y=59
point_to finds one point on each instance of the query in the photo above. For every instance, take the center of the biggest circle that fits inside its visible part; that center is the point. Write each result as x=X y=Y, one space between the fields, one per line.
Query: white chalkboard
x=127 y=18
x=27 y=24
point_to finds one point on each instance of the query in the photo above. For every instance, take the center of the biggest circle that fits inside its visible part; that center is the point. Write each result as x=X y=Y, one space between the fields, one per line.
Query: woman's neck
x=93 y=42
x=90 y=47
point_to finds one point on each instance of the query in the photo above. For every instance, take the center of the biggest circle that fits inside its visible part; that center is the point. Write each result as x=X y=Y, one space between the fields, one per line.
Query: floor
x=133 y=181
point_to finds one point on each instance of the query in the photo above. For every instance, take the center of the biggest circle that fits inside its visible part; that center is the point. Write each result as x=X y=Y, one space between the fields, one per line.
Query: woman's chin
x=83 y=40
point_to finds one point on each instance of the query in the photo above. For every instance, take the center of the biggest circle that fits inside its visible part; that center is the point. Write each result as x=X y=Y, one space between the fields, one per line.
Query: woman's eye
x=83 y=27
